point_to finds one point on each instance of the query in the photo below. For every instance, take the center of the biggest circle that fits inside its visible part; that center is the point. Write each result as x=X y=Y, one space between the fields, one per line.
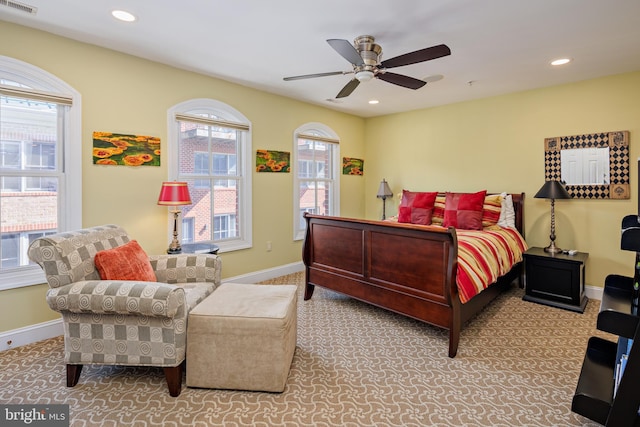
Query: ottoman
x=242 y=337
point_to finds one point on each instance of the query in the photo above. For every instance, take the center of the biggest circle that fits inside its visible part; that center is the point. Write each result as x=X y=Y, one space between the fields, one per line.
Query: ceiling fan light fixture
x=364 y=76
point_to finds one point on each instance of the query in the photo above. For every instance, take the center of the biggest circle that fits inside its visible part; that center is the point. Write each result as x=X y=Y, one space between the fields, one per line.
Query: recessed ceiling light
x=373 y=101
x=123 y=15
x=561 y=61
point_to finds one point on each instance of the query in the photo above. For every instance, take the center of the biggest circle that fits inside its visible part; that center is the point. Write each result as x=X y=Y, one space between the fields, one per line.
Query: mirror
x=594 y=166
x=585 y=166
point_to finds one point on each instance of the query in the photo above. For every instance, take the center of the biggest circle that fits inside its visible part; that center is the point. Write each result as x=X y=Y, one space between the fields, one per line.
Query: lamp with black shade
x=553 y=190
x=383 y=192
x=175 y=194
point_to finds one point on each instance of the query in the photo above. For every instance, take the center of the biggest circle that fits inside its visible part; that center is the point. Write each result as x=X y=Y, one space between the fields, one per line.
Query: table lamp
x=175 y=194
x=383 y=192
x=553 y=190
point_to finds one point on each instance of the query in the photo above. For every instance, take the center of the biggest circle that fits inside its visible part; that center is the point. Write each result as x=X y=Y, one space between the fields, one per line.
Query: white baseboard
x=259 y=276
x=593 y=292
x=30 y=334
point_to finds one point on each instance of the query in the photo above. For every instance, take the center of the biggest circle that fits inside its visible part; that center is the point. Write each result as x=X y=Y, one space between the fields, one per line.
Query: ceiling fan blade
x=421 y=55
x=346 y=50
x=400 y=80
x=310 y=76
x=348 y=88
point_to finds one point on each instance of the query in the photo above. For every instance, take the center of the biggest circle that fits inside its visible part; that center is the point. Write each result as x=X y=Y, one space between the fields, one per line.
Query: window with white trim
x=40 y=165
x=210 y=149
x=188 y=230
x=316 y=174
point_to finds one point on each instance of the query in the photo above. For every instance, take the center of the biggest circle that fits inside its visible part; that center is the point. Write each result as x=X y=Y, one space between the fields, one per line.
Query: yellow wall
x=23 y=307
x=122 y=93
x=498 y=143
x=494 y=143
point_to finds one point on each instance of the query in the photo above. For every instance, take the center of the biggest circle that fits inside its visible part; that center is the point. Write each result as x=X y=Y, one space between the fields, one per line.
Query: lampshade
x=384 y=191
x=552 y=190
x=174 y=193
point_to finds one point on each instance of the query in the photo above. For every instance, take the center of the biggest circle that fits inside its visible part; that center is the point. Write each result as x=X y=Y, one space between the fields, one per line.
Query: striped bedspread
x=485 y=255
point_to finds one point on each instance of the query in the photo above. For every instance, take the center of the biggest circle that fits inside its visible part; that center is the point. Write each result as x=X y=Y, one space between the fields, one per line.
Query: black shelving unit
x=594 y=397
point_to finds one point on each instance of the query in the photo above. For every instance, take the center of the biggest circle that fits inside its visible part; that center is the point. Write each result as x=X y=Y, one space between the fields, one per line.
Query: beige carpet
x=355 y=365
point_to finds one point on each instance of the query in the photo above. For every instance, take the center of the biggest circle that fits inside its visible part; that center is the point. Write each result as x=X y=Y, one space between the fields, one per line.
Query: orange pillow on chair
x=126 y=262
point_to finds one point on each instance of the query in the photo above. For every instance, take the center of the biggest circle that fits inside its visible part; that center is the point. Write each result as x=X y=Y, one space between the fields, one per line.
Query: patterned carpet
x=355 y=365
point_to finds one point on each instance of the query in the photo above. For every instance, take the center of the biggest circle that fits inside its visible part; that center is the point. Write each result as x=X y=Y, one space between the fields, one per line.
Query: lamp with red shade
x=175 y=194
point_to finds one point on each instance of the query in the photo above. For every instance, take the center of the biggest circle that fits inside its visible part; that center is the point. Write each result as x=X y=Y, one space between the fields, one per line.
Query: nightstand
x=555 y=279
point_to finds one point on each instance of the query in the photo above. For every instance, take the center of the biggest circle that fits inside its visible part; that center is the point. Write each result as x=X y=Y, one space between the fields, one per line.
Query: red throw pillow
x=464 y=210
x=416 y=207
x=126 y=262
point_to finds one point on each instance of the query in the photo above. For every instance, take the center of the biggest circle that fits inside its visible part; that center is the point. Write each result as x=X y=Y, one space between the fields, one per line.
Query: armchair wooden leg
x=174 y=379
x=73 y=374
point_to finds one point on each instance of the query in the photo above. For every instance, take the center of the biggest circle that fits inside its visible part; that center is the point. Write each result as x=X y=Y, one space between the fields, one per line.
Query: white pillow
x=507 y=214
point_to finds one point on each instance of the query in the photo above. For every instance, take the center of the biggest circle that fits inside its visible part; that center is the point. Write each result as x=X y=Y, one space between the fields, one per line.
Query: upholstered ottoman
x=242 y=337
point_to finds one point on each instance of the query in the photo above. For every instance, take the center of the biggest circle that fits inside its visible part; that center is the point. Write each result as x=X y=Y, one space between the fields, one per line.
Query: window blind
x=318 y=138
x=36 y=95
x=182 y=117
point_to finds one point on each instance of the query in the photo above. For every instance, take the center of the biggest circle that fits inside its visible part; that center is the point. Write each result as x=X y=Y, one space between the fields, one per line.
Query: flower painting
x=352 y=166
x=127 y=150
x=273 y=161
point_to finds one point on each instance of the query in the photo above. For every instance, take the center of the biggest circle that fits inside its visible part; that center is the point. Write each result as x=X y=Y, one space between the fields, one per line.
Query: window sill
x=20 y=278
x=233 y=246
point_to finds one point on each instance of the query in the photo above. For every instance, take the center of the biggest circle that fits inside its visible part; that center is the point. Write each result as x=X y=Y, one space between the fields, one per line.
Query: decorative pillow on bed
x=416 y=207
x=438 y=210
x=507 y=213
x=464 y=210
x=126 y=262
x=491 y=209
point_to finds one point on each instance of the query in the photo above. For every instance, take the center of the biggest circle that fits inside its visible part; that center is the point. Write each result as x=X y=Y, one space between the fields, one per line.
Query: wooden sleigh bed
x=409 y=269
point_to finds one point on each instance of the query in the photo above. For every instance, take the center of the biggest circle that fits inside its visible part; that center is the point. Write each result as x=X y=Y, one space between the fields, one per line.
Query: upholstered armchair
x=122 y=322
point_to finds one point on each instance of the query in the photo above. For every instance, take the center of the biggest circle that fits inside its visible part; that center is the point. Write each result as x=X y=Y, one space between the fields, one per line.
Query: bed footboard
x=398 y=267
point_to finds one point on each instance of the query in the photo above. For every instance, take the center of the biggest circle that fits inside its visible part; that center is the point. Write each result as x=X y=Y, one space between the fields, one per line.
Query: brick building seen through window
x=208 y=161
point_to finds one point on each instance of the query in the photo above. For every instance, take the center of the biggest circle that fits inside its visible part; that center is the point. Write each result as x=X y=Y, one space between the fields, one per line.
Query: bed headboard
x=518 y=207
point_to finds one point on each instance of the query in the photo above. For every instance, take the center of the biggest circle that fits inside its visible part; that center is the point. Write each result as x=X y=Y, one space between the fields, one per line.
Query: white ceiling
x=498 y=46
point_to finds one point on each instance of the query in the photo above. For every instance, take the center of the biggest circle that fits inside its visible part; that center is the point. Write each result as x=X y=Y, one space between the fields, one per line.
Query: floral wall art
x=273 y=161
x=125 y=150
x=352 y=166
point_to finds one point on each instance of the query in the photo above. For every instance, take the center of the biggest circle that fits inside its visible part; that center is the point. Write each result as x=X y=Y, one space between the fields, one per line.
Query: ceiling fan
x=364 y=55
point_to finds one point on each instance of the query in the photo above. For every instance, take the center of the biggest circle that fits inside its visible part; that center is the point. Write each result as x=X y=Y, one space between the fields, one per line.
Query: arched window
x=316 y=174
x=210 y=149
x=40 y=165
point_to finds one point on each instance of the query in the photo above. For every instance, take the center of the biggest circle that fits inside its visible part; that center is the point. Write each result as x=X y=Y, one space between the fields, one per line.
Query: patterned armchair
x=130 y=323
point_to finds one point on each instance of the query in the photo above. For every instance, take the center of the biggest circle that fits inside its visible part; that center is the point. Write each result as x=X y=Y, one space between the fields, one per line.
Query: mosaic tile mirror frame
x=617 y=186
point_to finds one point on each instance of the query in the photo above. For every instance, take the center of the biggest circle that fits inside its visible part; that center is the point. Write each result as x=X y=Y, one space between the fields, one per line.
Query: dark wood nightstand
x=555 y=280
